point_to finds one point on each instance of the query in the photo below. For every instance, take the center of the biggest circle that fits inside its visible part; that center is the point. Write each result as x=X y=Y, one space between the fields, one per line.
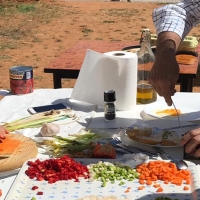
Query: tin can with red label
x=21 y=79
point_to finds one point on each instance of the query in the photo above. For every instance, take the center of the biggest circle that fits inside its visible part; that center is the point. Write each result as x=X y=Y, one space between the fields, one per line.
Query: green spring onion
x=37 y=120
x=108 y=172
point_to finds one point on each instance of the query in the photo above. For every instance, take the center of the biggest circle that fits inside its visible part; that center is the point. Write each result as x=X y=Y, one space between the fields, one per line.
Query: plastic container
x=190 y=43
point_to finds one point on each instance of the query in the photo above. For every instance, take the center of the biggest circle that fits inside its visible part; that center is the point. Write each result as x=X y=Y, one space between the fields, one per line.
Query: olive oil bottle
x=145 y=91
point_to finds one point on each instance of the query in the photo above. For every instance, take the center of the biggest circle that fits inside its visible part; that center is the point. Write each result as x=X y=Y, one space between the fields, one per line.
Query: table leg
x=57 y=81
x=186 y=84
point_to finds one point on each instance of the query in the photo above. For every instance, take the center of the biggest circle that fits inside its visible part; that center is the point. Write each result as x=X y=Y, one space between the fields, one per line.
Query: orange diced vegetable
x=141 y=187
x=164 y=171
x=160 y=189
x=149 y=182
x=156 y=185
x=185 y=188
x=166 y=182
x=187 y=181
x=142 y=182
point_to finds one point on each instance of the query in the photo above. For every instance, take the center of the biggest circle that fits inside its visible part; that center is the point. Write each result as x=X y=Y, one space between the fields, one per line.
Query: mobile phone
x=39 y=109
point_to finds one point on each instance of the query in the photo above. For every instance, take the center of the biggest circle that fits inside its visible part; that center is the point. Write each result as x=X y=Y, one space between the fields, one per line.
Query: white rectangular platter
x=70 y=190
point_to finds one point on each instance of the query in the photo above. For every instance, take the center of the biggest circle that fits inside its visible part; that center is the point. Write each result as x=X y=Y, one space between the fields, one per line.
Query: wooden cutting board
x=20 y=149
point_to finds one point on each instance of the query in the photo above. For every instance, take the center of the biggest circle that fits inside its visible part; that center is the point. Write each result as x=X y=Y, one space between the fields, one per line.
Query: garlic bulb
x=49 y=129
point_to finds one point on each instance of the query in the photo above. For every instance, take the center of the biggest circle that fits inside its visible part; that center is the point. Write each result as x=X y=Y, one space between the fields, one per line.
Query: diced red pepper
x=34 y=187
x=52 y=170
x=39 y=193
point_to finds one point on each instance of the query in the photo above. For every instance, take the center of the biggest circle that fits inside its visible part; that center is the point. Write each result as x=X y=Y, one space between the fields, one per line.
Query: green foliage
x=35 y=10
x=24 y=8
x=109 y=21
x=87 y=30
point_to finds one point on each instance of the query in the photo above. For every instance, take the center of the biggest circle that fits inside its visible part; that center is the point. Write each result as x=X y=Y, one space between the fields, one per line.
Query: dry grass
x=36 y=33
x=20 y=20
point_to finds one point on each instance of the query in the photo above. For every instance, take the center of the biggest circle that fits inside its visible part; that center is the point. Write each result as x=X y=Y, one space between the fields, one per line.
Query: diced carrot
x=179 y=183
x=156 y=185
x=139 y=170
x=142 y=182
x=185 y=188
x=0 y=192
x=186 y=172
x=141 y=187
x=187 y=181
x=149 y=182
x=146 y=174
x=160 y=189
x=154 y=178
x=142 y=176
x=166 y=182
x=128 y=188
x=147 y=178
x=163 y=171
x=126 y=191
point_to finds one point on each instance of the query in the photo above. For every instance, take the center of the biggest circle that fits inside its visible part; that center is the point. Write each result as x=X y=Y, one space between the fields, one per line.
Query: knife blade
x=127 y=127
x=178 y=127
x=137 y=150
x=4 y=156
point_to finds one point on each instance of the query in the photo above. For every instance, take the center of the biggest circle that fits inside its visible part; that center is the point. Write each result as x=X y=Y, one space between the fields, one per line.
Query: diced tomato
x=104 y=151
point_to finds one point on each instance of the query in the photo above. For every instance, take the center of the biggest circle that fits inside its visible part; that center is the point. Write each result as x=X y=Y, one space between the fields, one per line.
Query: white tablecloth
x=15 y=106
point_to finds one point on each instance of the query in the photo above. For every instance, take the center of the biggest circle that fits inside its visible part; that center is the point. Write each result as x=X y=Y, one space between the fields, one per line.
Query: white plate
x=160 y=123
x=70 y=190
x=158 y=110
x=126 y=140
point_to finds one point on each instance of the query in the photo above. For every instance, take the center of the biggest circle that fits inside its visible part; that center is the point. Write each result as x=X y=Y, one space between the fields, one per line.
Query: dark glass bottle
x=145 y=92
x=109 y=105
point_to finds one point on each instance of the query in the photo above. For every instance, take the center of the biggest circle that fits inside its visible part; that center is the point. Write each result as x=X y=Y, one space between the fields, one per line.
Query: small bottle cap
x=109 y=96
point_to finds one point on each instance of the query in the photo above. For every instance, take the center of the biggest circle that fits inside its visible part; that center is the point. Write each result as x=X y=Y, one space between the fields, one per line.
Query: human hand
x=164 y=75
x=191 y=140
x=3 y=132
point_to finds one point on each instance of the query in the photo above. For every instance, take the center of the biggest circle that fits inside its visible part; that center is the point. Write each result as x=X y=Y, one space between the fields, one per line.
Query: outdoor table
x=15 y=106
x=68 y=64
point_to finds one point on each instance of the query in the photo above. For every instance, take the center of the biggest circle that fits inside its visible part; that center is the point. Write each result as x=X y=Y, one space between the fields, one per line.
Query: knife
x=137 y=150
x=175 y=127
x=154 y=128
x=4 y=156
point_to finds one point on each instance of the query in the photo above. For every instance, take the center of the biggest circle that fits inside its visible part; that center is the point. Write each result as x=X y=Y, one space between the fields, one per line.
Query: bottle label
x=109 y=111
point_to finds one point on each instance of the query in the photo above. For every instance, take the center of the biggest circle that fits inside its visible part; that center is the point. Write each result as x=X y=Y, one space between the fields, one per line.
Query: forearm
x=165 y=71
x=167 y=45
